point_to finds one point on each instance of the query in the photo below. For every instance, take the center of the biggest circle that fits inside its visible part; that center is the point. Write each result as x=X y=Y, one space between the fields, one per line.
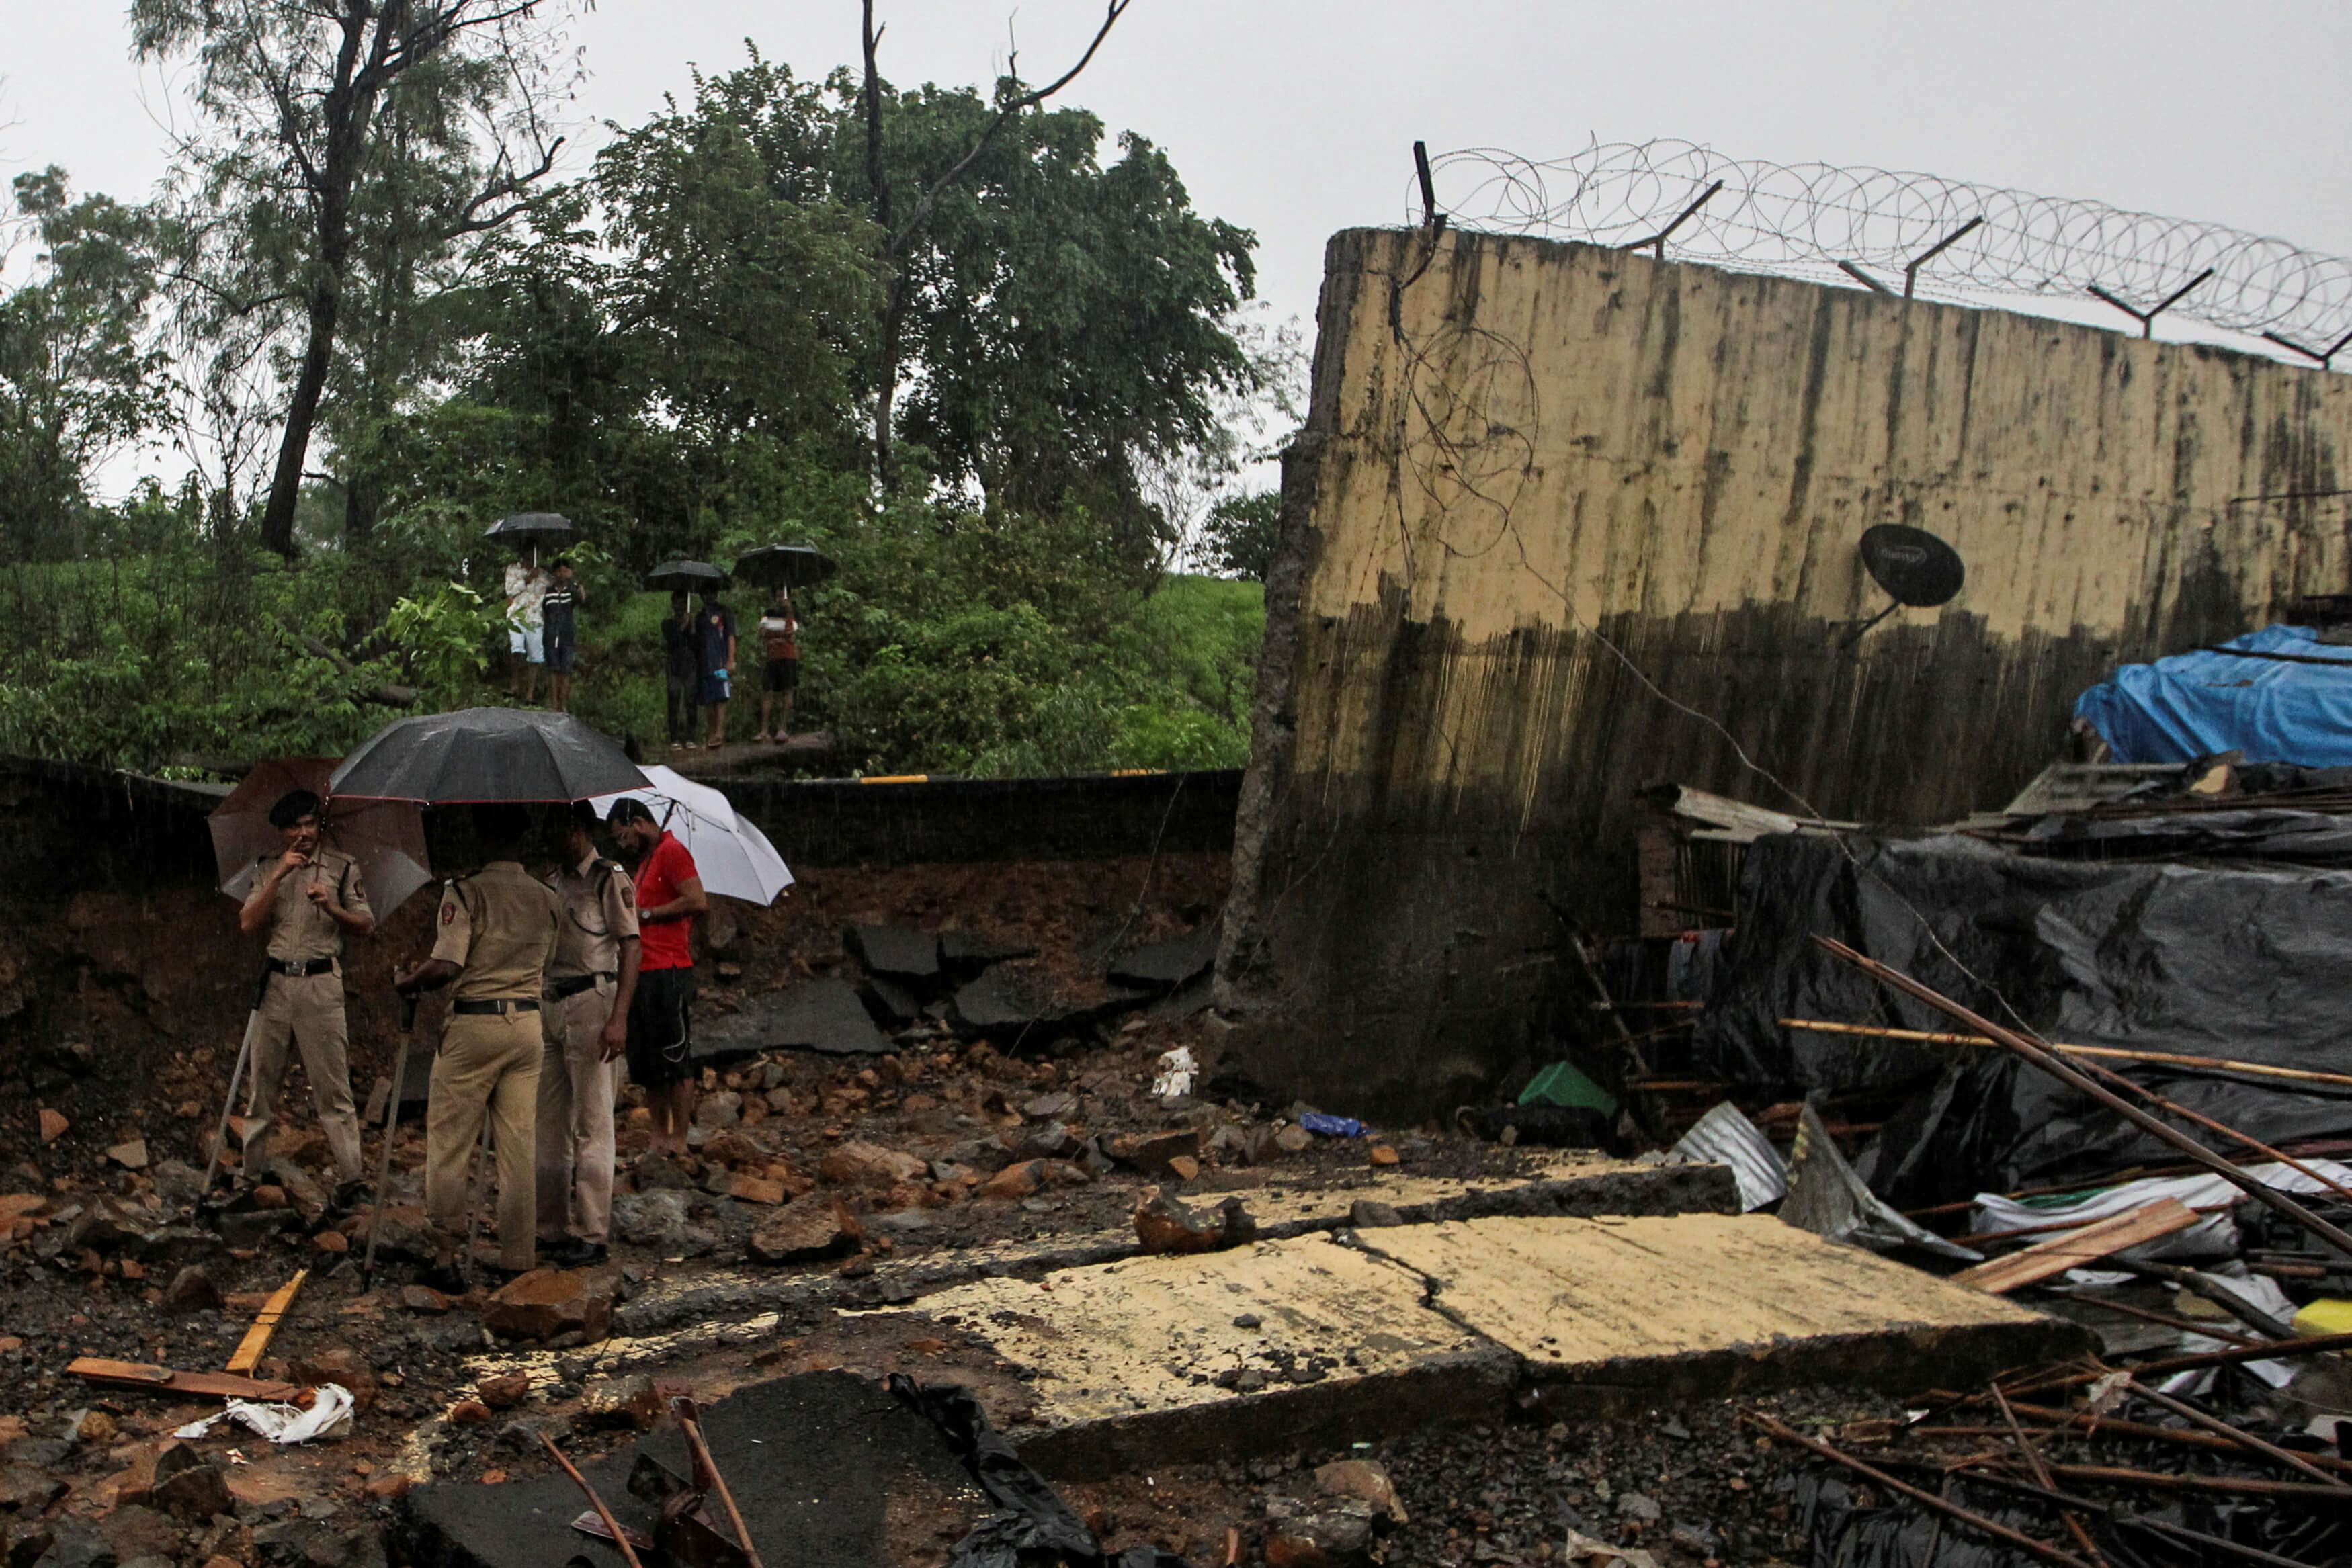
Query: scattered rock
x=78 y=1546
x=1383 y=1156
x=618 y=1403
x=868 y=1164
x=723 y=1109
x=1638 y=1505
x=53 y=1125
x=139 y=1530
x=337 y=1364
x=130 y=1154
x=192 y=1291
x=1371 y=1214
x=423 y=1300
x=1155 y=1152
x=1294 y=1139
x=24 y=1490
x=1363 y=1480
x=1183 y=1167
x=755 y=1189
x=189 y=1489
x=469 y=1412
x=656 y=1220
x=90 y=1428
x=803 y=1230
x=505 y=1392
x=1330 y=1537
x=1164 y=1225
x=25 y=1541
x=1164 y=966
x=386 y=1487
x=546 y=1303
x=1050 y=1107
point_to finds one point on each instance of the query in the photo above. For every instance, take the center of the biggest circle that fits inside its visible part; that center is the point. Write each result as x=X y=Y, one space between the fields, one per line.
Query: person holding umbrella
x=681 y=672
x=714 y=640
x=590 y=987
x=526 y=586
x=661 y=1032
x=308 y=898
x=779 y=632
x=497 y=930
x=558 y=612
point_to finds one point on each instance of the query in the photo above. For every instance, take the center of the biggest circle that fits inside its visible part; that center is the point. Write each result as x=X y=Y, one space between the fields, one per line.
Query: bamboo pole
x=2111 y=1052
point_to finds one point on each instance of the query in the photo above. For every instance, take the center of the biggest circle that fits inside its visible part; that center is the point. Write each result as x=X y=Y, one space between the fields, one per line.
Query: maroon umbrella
x=386 y=837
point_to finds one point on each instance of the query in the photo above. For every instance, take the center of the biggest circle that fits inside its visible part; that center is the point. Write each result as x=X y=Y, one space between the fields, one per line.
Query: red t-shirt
x=664 y=943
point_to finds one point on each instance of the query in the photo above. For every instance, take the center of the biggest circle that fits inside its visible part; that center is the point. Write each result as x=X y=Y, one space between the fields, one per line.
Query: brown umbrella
x=386 y=837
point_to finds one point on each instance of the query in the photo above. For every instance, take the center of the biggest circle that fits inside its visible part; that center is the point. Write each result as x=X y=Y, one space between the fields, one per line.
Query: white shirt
x=526 y=587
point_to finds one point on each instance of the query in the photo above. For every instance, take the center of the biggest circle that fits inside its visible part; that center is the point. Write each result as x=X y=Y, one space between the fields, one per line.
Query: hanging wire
x=1806 y=219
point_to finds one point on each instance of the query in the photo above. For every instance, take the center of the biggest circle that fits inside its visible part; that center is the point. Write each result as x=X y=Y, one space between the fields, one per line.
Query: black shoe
x=445 y=1279
x=574 y=1252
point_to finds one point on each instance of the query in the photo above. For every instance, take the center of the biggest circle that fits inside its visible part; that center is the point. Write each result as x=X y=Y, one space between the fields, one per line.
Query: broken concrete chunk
x=805 y=1230
x=618 y=1403
x=130 y=1154
x=1294 y=1139
x=1371 y=1214
x=1336 y=1536
x=970 y=951
x=1164 y=966
x=894 y=951
x=546 y=1303
x=53 y=1125
x=1016 y=1007
x=819 y=1015
x=892 y=1002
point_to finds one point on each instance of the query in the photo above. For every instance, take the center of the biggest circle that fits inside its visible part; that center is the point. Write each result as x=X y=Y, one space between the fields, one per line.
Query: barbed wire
x=1898 y=232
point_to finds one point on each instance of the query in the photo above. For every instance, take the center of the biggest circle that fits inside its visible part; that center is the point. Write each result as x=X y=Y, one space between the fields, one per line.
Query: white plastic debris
x=1177 y=1070
x=329 y=1413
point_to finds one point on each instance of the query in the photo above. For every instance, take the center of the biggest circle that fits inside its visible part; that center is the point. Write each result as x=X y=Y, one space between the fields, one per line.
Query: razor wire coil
x=1804 y=219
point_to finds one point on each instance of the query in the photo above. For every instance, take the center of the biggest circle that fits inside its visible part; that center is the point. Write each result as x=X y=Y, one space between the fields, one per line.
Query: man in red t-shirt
x=660 y=1041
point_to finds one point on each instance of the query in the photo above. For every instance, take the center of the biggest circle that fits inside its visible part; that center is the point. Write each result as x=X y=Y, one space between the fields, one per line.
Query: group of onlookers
x=698 y=654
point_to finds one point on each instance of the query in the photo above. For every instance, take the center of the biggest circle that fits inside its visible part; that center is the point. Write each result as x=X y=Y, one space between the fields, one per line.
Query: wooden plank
x=256 y=1343
x=164 y=1380
x=2087 y=1244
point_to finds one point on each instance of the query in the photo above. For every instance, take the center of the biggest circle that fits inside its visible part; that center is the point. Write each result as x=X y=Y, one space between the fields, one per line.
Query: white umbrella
x=733 y=856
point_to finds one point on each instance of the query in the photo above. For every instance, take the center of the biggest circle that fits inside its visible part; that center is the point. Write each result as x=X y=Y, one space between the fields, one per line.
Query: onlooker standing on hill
x=661 y=1033
x=779 y=633
x=714 y=644
x=682 y=671
x=526 y=645
x=557 y=606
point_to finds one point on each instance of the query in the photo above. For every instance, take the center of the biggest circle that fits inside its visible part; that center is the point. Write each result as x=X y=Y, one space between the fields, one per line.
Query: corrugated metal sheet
x=1725 y=1137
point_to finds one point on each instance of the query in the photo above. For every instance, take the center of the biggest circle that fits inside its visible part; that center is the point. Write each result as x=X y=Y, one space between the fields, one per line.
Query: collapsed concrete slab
x=893 y=950
x=1326 y=1338
x=823 y=1016
x=826 y=1466
x=1163 y=965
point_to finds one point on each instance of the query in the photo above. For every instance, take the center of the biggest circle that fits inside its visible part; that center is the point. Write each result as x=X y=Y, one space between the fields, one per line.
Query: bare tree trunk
x=301 y=414
x=894 y=315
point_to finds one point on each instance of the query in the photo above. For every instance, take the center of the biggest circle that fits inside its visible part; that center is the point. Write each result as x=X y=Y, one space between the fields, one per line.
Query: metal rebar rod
x=693 y=1430
x=1977 y=1521
x=2241 y=1437
x=620 y=1536
x=2034 y=1461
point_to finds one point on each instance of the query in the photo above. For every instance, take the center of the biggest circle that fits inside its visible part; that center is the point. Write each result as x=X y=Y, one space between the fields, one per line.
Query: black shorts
x=783 y=675
x=563 y=651
x=661 y=1027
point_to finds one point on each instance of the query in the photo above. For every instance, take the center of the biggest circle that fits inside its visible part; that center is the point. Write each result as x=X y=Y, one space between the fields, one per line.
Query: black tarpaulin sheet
x=2247 y=961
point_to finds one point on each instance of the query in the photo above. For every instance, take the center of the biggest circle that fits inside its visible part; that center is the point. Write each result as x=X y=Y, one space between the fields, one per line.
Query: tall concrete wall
x=1517 y=449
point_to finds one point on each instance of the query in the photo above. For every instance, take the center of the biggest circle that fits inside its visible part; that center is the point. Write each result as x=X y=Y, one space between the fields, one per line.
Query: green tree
x=1239 y=537
x=349 y=141
x=79 y=375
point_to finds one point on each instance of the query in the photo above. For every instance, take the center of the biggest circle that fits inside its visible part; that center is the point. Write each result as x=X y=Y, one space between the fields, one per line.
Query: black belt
x=474 y=1006
x=573 y=985
x=298 y=967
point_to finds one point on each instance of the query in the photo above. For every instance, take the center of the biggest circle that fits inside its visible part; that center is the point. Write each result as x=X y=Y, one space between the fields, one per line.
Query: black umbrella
x=784 y=566
x=687 y=574
x=486 y=753
x=530 y=526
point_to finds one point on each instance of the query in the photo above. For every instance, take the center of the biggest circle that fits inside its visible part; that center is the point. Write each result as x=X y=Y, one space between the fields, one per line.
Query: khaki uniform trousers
x=576 y=1090
x=488 y=1065
x=307 y=1009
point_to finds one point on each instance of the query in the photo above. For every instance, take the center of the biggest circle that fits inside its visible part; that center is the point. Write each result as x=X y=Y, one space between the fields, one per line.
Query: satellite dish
x=1915 y=566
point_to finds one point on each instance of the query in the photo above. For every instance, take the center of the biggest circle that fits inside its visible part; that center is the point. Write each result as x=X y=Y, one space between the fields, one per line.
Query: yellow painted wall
x=1516 y=443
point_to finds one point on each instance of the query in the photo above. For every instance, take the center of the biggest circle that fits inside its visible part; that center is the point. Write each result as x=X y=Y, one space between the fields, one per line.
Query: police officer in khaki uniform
x=589 y=987
x=310 y=898
x=497 y=930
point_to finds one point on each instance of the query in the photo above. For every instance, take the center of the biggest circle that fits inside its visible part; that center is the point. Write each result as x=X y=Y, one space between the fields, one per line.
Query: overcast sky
x=1295 y=118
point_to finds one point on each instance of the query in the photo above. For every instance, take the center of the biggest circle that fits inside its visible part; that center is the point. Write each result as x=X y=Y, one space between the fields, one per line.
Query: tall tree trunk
x=893 y=315
x=301 y=414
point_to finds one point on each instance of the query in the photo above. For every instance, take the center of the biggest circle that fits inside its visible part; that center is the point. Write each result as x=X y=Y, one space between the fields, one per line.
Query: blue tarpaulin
x=2194 y=704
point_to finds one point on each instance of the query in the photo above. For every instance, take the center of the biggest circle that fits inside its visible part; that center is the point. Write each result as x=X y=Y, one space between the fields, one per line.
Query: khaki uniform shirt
x=501 y=927
x=600 y=912
x=300 y=929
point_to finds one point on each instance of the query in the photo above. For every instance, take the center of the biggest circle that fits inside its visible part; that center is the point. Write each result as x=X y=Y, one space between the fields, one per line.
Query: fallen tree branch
x=387 y=694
